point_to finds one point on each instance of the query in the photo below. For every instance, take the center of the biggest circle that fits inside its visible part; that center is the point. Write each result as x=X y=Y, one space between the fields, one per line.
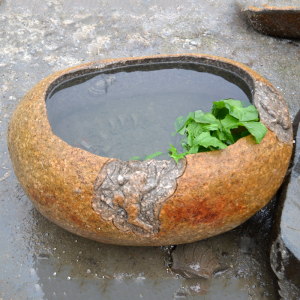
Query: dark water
x=131 y=111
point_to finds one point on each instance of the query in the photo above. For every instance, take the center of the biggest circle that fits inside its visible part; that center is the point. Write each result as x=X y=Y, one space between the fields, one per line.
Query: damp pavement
x=39 y=260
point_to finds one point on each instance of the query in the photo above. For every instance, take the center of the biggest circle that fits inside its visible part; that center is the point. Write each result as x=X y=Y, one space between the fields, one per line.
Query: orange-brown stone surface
x=277 y=21
x=218 y=190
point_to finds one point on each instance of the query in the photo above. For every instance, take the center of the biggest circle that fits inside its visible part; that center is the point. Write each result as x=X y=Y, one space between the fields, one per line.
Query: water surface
x=130 y=111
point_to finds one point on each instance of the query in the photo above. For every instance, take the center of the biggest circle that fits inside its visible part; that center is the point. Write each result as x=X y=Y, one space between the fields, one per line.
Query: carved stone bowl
x=276 y=21
x=154 y=202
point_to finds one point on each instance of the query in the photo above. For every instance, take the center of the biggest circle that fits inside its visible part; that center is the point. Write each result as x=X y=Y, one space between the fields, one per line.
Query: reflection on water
x=131 y=111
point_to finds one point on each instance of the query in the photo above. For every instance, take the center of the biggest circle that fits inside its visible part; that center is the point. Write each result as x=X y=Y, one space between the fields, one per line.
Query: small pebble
x=88 y=271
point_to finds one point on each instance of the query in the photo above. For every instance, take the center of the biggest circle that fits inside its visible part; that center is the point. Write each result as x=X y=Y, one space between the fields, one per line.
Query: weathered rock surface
x=285 y=249
x=194 y=260
x=277 y=21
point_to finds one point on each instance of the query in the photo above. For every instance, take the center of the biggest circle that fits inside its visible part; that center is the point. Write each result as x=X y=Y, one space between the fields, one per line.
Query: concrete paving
x=39 y=260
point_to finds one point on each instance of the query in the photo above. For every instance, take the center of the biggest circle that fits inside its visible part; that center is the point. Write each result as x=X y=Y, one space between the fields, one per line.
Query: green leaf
x=257 y=129
x=220 y=135
x=219 y=110
x=228 y=137
x=207 y=118
x=230 y=122
x=206 y=140
x=185 y=146
x=193 y=150
x=231 y=102
x=211 y=127
x=181 y=122
x=189 y=118
x=243 y=114
x=153 y=155
x=194 y=128
x=176 y=155
x=179 y=125
x=185 y=139
x=198 y=114
x=245 y=103
x=191 y=139
x=135 y=158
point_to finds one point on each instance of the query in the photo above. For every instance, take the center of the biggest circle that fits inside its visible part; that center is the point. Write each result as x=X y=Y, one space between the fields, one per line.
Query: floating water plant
x=227 y=122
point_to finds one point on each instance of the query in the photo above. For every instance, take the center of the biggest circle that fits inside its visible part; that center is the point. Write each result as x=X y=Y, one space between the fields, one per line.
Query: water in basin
x=130 y=111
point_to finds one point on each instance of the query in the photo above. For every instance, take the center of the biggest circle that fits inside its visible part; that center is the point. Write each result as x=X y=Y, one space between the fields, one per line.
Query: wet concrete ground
x=38 y=260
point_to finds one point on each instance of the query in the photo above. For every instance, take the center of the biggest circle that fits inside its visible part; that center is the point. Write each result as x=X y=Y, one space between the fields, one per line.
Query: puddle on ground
x=56 y=264
x=131 y=111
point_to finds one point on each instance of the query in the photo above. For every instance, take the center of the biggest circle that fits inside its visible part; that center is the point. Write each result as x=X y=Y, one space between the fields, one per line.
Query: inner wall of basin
x=130 y=111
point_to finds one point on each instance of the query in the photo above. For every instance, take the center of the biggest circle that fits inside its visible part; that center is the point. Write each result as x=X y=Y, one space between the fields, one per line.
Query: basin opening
x=128 y=111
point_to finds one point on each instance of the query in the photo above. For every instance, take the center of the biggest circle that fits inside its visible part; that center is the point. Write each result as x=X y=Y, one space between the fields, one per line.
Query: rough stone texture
x=285 y=249
x=277 y=21
x=217 y=192
x=286 y=267
x=273 y=111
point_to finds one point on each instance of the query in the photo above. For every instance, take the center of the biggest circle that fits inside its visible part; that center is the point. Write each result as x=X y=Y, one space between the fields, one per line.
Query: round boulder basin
x=154 y=202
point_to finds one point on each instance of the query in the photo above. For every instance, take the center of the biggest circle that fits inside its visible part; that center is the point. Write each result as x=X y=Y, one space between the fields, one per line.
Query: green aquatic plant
x=227 y=122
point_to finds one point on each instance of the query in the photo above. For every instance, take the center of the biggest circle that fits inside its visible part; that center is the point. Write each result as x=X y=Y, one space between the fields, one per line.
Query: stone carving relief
x=273 y=111
x=131 y=193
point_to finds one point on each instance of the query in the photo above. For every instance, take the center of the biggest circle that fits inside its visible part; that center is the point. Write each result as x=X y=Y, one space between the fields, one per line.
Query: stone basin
x=154 y=202
x=276 y=21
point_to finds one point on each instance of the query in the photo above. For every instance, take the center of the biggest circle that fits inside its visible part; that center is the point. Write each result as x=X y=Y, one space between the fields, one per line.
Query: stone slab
x=277 y=21
x=285 y=248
